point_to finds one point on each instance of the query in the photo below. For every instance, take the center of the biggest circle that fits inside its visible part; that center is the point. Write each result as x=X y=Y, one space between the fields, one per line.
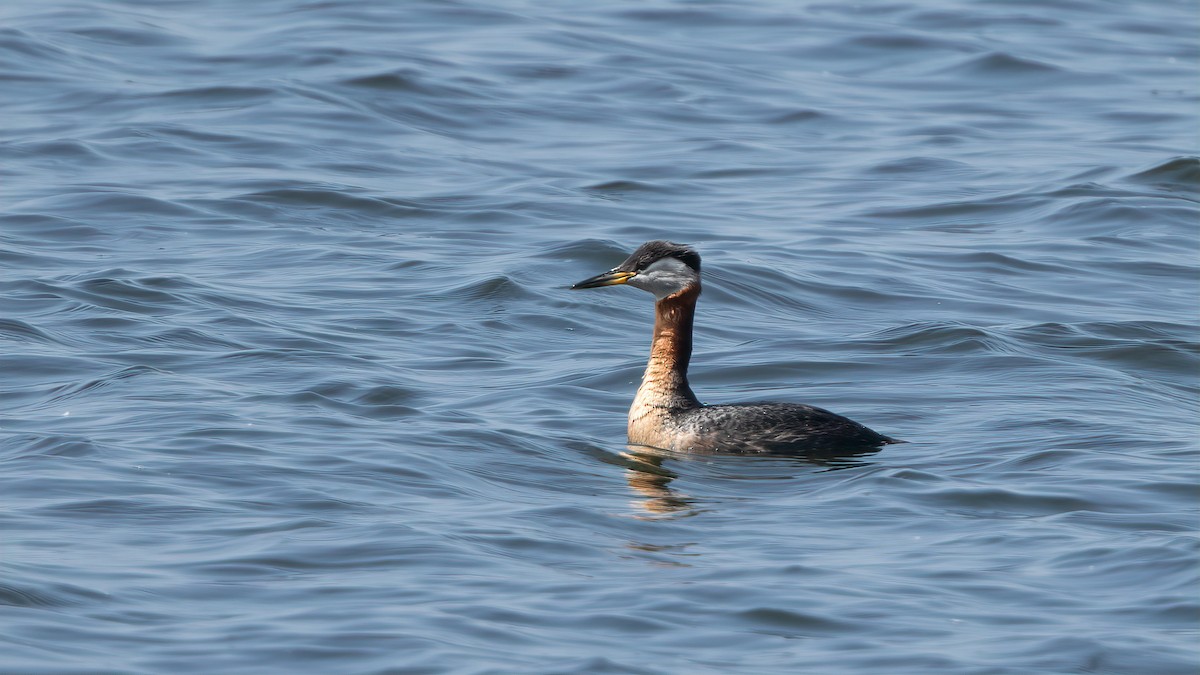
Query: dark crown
x=652 y=251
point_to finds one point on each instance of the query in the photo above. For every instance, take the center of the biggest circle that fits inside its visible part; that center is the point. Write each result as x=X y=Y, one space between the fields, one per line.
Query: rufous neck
x=671 y=347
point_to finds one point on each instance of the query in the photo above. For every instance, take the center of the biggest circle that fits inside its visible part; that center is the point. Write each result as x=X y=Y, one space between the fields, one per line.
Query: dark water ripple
x=292 y=383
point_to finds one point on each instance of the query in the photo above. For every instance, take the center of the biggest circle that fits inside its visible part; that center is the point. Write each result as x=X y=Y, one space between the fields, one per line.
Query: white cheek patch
x=664 y=277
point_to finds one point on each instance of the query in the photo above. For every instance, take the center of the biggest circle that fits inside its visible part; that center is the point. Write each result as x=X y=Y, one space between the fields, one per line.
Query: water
x=292 y=383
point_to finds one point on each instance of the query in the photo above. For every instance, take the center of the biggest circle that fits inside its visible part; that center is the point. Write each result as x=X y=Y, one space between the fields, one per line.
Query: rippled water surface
x=292 y=383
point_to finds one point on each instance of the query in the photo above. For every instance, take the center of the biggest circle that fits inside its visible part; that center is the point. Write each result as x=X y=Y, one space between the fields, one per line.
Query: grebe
x=666 y=414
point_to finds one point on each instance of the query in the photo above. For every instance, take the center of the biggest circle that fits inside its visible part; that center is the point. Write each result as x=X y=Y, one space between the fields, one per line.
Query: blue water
x=292 y=383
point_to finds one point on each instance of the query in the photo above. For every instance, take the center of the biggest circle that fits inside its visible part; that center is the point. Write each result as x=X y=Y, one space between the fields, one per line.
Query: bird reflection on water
x=646 y=474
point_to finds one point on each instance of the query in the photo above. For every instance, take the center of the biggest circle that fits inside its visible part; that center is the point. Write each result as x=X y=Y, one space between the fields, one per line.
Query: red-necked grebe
x=666 y=414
